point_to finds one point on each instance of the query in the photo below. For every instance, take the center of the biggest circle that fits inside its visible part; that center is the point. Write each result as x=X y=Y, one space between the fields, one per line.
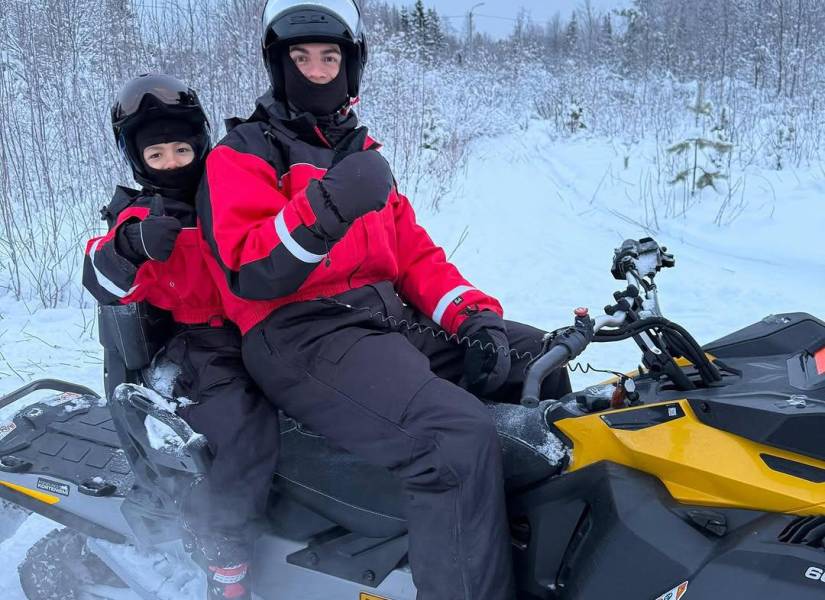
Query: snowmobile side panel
x=631 y=539
x=40 y=496
x=758 y=567
x=793 y=423
x=774 y=335
x=98 y=517
x=605 y=531
x=699 y=464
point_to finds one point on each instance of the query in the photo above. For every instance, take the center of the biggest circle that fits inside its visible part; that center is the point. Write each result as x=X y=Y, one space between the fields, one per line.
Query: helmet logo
x=304 y=19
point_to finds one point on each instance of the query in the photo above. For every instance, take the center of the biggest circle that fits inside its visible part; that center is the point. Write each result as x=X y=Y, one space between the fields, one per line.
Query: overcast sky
x=495 y=16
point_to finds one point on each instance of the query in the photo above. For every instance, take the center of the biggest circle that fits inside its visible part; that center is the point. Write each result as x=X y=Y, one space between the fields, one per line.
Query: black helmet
x=154 y=96
x=294 y=21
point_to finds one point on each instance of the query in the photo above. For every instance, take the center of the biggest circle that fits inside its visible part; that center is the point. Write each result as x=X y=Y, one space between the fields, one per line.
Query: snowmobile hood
x=755 y=442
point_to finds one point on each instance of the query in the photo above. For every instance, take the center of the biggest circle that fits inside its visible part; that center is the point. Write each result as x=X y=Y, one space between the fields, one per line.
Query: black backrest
x=131 y=334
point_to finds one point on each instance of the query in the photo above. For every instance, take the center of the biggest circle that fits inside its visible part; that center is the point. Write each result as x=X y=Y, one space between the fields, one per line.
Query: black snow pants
x=240 y=425
x=390 y=396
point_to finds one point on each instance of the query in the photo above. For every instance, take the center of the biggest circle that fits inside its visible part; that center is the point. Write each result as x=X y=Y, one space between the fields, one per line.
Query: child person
x=152 y=253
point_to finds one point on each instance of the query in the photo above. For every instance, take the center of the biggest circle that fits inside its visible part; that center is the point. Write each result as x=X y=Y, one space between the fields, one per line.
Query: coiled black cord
x=437 y=332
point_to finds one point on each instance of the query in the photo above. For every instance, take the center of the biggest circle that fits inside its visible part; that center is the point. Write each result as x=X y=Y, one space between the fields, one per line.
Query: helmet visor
x=164 y=88
x=345 y=10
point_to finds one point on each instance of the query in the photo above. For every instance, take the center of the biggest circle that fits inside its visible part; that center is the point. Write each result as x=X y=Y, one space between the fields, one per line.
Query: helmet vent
x=307 y=19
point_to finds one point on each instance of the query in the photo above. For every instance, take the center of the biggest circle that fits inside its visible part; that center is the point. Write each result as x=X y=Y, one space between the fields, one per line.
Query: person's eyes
x=184 y=150
x=154 y=156
x=299 y=58
x=332 y=59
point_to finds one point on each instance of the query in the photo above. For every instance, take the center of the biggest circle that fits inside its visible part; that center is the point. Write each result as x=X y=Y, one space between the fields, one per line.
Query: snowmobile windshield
x=301 y=24
x=165 y=89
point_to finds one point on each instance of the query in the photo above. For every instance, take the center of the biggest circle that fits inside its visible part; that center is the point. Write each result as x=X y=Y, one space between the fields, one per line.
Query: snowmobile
x=699 y=476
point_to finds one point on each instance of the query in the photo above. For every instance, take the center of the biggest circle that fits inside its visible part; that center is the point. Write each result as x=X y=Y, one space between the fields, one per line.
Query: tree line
x=433 y=86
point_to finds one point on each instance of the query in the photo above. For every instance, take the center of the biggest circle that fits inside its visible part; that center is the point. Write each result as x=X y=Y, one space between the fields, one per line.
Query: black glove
x=153 y=238
x=487 y=360
x=358 y=184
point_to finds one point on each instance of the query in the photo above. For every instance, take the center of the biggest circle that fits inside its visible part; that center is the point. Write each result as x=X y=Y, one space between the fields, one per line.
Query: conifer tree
x=703 y=154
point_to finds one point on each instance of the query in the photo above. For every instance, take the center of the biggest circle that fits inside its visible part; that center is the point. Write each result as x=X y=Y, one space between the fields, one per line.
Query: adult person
x=152 y=253
x=323 y=267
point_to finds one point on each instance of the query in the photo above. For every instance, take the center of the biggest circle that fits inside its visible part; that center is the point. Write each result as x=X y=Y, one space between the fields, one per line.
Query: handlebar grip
x=538 y=372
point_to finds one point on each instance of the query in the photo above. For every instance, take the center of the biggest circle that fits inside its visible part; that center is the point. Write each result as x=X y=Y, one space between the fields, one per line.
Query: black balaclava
x=319 y=99
x=182 y=181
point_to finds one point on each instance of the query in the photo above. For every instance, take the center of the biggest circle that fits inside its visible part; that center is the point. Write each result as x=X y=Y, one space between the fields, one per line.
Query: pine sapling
x=702 y=153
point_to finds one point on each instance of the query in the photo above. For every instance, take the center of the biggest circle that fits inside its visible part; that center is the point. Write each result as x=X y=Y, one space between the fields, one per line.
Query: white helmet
x=293 y=21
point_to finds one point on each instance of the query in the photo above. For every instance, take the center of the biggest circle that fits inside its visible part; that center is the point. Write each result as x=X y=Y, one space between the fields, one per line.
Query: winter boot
x=226 y=563
x=231 y=581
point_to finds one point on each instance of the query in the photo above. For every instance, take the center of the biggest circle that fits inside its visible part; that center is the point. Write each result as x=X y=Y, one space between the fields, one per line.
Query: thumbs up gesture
x=154 y=237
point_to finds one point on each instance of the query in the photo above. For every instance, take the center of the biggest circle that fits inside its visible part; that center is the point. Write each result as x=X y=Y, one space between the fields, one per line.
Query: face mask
x=319 y=99
x=183 y=179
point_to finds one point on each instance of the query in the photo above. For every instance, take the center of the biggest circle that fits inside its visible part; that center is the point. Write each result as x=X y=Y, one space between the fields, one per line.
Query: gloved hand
x=356 y=185
x=153 y=238
x=487 y=360
x=577 y=337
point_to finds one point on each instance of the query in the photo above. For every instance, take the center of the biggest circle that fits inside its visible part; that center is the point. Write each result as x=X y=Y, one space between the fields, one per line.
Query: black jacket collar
x=318 y=131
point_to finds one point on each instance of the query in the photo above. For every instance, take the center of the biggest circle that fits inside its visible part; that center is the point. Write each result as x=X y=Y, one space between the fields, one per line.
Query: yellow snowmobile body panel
x=698 y=464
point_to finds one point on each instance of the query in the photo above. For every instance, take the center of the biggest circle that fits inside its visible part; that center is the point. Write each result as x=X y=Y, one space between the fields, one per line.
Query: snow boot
x=225 y=561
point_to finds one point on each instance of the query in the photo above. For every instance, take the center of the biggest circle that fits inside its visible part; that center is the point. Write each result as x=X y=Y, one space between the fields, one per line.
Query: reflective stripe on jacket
x=256 y=220
x=182 y=284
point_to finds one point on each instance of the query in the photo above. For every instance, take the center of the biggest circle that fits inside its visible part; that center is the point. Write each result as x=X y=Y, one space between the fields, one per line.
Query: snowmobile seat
x=360 y=497
x=368 y=500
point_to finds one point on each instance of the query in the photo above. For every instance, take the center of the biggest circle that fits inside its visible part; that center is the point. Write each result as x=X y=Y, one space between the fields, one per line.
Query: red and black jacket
x=257 y=220
x=181 y=285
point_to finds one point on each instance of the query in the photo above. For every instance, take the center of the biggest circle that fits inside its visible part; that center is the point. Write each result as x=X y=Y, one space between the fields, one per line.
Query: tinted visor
x=165 y=89
x=345 y=11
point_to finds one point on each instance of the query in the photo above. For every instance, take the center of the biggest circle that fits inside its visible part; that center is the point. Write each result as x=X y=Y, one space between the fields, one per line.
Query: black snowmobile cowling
x=701 y=477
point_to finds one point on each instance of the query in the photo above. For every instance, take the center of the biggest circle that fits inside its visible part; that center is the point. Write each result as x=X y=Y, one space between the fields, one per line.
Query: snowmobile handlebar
x=560 y=353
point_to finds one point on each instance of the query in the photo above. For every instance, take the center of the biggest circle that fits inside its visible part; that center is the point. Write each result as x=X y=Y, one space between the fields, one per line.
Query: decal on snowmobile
x=53 y=486
x=46 y=498
x=675 y=593
x=815 y=573
x=366 y=596
x=6 y=428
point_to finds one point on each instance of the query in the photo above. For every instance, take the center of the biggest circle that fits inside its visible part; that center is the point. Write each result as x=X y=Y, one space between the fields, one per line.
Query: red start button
x=581 y=311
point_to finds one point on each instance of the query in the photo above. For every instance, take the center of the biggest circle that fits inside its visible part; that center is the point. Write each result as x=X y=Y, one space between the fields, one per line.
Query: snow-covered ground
x=541 y=220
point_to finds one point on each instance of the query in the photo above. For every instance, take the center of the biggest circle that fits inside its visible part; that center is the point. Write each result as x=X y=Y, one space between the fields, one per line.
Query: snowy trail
x=541 y=228
x=542 y=231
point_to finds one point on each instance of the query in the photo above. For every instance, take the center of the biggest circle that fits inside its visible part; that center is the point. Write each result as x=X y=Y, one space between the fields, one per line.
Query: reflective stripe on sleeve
x=106 y=283
x=445 y=301
x=290 y=244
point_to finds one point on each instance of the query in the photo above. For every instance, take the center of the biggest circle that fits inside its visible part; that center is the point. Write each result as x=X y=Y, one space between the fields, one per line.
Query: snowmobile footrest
x=353 y=557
